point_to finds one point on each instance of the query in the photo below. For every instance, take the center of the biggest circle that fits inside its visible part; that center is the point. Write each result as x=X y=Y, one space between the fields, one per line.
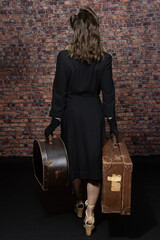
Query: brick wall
x=33 y=32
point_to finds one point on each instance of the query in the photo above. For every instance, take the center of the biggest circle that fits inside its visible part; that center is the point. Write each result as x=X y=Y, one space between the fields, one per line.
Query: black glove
x=52 y=126
x=113 y=127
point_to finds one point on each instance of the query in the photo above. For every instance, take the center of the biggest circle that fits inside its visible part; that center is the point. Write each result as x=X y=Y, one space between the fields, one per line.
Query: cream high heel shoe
x=89 y=226
x=79 y=207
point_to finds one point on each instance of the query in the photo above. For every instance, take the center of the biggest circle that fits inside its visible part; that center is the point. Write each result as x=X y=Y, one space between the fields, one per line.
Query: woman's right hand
x=52 y=126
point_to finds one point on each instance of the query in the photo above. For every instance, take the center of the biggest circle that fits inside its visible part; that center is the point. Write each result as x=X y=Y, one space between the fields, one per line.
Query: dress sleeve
x=108 y=89
x=59 y=90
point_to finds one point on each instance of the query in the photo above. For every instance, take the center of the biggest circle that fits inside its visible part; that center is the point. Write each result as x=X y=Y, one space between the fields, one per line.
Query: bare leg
x=77 y=187
x=93 y=190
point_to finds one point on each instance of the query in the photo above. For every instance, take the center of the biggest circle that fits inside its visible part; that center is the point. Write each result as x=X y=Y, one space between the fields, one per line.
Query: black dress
x=75 y=99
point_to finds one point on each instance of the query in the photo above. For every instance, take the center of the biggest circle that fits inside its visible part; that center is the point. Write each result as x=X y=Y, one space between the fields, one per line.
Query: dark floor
x=29 y=213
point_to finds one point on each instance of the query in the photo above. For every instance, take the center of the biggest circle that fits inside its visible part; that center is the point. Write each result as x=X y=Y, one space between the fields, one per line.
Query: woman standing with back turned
x=83 y=69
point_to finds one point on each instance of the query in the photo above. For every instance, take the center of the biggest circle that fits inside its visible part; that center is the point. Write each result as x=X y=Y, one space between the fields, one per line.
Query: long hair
x=86 y=43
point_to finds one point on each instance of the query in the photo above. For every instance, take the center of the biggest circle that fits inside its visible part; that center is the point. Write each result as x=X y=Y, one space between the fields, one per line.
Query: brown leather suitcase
x=117 y=177
x=50 y=163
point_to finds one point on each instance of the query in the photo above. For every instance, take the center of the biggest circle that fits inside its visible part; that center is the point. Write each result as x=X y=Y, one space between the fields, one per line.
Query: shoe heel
x=79 y=212
x=89 y=229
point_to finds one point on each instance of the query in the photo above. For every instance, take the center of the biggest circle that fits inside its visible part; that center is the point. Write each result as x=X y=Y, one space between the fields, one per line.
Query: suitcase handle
x=115 y=143
x=50 y=139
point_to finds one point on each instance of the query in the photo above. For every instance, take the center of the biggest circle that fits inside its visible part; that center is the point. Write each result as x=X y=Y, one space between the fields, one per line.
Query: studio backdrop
x=31 y=35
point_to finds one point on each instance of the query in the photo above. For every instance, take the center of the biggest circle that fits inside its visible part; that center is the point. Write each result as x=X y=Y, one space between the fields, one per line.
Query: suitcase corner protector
x=105 y=209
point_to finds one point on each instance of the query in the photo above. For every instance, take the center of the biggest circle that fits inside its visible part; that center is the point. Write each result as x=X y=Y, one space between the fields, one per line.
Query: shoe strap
x=89 y=205
x=79 y=202
x=89 y=218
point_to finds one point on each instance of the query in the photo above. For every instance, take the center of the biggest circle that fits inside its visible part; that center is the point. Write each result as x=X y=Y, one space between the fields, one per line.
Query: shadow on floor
x=28 y=212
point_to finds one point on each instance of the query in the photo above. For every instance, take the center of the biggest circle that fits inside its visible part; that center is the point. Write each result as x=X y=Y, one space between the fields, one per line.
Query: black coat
x=75 y=99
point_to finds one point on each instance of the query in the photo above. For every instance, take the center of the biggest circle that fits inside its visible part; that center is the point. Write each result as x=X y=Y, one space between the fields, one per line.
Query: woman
x=82 y=70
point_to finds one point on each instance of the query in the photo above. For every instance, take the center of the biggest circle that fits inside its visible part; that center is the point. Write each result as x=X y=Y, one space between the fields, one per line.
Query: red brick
x=28 y=56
